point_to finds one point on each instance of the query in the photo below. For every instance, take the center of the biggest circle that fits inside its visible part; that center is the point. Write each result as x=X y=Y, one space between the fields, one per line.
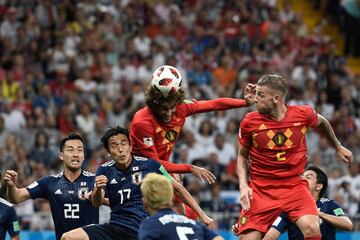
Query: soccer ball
x=166 y=79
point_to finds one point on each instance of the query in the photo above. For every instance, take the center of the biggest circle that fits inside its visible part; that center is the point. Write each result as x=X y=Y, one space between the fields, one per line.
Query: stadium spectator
x=277 y=138
x=163 y=222
x=67 y=191
x=123 y=190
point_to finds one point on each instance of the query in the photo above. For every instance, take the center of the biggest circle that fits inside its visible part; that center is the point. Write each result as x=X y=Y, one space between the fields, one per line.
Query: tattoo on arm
x=327 y=130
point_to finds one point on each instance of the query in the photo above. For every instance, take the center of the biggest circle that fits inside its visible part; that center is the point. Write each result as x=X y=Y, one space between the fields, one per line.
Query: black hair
x=321 y=178
x=112 y=132
x=71 y=136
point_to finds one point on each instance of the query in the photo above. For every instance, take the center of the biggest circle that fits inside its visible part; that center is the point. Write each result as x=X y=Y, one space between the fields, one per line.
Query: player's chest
x=275 y=136
x=165 y=134
x=70 y=192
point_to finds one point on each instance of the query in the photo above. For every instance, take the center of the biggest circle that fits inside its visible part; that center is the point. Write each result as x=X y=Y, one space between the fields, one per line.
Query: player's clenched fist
x=100 y=181
x=10 y=177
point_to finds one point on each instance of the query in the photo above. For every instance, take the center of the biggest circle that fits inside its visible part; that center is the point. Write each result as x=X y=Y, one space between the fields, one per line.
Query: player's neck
x=279 y=112
x=72 y=175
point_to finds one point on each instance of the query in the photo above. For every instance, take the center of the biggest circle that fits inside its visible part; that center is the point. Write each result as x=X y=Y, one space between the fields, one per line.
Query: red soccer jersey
x=277 y=148
x=153 y=138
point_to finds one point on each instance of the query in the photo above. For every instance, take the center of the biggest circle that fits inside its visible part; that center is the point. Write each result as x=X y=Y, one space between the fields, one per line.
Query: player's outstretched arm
x=341 y=222
x=189 y=200
x=246 y=193
x=14 y=194
x=343 y=153
x=98 y=195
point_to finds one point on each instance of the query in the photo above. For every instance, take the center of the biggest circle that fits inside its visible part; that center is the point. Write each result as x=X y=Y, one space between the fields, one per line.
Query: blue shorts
x=109 y=231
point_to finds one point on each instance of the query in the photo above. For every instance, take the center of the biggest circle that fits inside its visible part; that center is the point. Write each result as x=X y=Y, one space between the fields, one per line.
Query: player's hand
x=101 y=181
x=208 y=221
x=235 y=229
x=249 y=93
x=203 y=174
x=10 y=178
x=246 y=194
x=345 y=154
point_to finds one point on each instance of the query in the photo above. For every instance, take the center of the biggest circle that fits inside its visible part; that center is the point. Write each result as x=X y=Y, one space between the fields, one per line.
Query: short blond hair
x=157 y=191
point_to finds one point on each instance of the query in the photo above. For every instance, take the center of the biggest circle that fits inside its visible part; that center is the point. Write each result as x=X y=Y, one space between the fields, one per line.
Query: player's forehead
x=73 y=144
x=166 y=106
x=118 y=138
x=264 y=90
x=309 y=173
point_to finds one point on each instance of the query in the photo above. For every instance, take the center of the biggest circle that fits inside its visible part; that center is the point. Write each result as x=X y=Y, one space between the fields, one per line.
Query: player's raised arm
x=14 y=194
x=189 y=200
x=343 y=153
x=98 y=195
x=226 y=103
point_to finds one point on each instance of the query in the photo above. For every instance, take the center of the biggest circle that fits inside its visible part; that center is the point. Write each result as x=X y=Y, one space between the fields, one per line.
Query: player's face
x=165 y=112
x=73 y=154
x=264 y=100
x=120 y=150
x=311 y=177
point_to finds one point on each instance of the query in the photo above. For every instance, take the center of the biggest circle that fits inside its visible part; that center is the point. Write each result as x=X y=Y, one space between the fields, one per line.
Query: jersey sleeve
x=217 y=104
x=165 y=173
x=244 y=136
x=281 y=223
x=335 y=209
x=13 y=226
x=39 y=188
x=311 y=114
x=142 y=140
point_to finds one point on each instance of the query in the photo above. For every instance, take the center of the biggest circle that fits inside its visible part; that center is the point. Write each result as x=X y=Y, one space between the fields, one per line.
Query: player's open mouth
x=75 y=161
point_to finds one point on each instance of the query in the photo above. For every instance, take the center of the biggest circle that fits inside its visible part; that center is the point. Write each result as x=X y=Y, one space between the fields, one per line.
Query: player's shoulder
x=304 y=109
x=140 y=159
x=324 y=200
x=251 y=117
x=108 y=164
x=6 y=203
x=56 y=175
x=144 y=114
x=87 y=173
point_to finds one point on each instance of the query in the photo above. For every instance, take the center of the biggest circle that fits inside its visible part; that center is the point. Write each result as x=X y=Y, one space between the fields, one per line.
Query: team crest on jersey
x=171 y=135
x=136 y=178
x=279 y=138
x=243 y=220
x=82 y=192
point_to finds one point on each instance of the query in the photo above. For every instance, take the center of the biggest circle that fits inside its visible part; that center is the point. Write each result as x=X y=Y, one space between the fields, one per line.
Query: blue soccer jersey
x=69 y=207
x=166 y=224
x=8 y=220
x=328 y=231
x=123 y=190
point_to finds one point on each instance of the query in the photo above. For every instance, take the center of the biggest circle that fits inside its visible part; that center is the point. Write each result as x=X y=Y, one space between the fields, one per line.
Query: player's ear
x=319 y=186
x=61 y=156
x=276 y=98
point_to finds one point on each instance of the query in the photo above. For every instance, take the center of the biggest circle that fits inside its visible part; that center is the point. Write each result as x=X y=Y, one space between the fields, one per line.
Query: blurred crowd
x=68 y=65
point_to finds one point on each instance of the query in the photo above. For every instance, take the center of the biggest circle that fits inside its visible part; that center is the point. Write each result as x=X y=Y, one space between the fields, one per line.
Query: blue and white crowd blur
x=83 y=65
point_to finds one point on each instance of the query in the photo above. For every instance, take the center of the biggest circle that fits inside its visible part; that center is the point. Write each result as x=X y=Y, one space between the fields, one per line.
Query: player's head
x=318 y=180
x=157 y=192
x=116 y=141
x=165 y=92
x=271 y=90
x=72 y=151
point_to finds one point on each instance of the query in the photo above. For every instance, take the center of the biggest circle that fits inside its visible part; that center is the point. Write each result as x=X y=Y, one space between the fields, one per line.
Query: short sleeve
x=244 y=136
x=39 y=188
x=335 y=209
x=312 y=117
x=13 y=223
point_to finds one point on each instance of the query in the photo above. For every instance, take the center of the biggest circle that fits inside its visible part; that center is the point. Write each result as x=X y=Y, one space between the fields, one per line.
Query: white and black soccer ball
x=166 y=79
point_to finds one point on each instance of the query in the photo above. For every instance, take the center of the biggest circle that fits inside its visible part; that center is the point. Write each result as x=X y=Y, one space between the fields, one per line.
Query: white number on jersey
x=71 y=210
x=183 y=231
x=124 y=193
